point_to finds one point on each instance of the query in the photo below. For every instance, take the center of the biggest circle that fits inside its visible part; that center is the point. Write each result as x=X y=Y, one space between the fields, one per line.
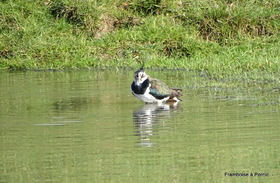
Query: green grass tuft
x=221 y=37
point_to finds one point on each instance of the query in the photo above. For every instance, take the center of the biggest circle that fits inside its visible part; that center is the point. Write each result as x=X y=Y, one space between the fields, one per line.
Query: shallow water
x=85 y=126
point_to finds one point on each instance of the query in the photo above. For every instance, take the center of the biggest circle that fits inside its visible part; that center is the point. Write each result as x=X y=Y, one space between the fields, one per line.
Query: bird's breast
x=140 y=88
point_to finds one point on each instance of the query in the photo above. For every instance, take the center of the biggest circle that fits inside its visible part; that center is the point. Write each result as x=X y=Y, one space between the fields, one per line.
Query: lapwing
x=152 y=90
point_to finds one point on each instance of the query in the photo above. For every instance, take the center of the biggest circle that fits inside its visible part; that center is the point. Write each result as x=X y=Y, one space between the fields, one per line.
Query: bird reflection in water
x=148 y=118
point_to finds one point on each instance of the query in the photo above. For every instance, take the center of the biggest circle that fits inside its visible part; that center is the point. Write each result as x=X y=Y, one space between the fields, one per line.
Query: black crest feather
x=143 y=64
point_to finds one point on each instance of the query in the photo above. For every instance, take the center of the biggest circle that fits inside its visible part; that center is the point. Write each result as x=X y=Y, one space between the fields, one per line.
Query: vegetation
x=219 y=37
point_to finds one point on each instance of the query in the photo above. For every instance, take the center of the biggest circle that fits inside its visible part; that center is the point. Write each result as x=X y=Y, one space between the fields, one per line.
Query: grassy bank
x=220 y=37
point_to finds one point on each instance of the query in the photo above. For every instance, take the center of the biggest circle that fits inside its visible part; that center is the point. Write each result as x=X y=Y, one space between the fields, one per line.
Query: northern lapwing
x=152 y=90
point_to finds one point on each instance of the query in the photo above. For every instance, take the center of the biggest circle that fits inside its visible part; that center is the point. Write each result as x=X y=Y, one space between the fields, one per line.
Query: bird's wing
x=159 y=89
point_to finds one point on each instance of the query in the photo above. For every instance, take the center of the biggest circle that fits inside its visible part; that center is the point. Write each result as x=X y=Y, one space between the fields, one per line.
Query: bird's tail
x=175 y=94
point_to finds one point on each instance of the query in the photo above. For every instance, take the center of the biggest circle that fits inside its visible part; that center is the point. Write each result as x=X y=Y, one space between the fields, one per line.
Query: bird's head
x=140 y=76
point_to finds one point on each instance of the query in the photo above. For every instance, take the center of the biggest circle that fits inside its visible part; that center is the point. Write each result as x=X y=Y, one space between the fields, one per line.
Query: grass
x=222 y=37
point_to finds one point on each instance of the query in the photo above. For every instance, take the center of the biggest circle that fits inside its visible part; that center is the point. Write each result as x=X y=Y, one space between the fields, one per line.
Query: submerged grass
x=218 y=37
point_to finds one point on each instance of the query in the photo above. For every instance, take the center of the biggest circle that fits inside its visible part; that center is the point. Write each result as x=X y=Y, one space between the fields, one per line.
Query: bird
x=151 y=90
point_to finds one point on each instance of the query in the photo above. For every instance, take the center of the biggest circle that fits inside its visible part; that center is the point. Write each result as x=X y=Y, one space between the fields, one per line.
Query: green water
x=85 y=126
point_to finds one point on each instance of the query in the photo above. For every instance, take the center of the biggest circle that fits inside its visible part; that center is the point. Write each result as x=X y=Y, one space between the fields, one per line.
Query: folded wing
x=159 y=89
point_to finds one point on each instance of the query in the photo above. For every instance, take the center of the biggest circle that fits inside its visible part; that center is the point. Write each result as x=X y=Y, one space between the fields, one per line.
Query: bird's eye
x=140 y=75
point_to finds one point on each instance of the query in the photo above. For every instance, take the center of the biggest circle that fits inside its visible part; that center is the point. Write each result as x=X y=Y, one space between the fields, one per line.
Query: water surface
x=85 y=126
